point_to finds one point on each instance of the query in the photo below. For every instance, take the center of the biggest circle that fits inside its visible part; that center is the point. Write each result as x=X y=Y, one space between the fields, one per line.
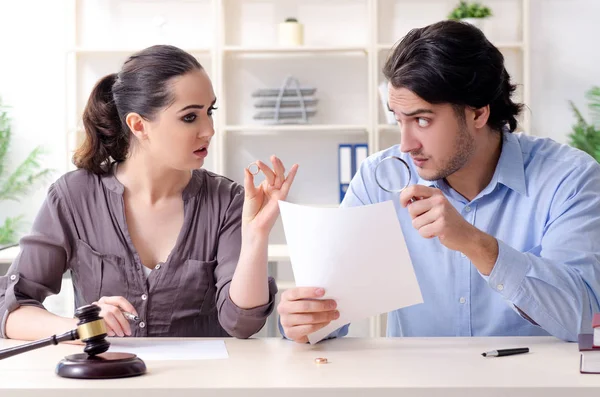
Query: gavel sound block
x=95 y=362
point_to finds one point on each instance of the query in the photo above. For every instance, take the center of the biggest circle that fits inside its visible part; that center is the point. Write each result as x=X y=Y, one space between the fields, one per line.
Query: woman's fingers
x=113 y=325
x=269 y=174
x=120 y=302
x=275 y=177
x=249 y=187
x=111 y=308
x=286 y=186
x=279 y=171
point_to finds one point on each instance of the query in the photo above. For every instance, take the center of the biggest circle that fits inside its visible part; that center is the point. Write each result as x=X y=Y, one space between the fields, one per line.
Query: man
x=505 y=234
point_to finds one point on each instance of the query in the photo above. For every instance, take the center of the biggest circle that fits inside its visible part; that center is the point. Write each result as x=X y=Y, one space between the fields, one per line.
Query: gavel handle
x=53 y=340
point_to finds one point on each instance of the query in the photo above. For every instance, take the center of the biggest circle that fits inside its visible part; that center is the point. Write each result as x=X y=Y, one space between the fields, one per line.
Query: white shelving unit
x=304 y=50
x=346 y=44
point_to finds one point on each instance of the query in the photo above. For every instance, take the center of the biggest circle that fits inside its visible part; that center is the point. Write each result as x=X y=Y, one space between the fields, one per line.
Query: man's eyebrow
x=418 y=111
x=413 y=113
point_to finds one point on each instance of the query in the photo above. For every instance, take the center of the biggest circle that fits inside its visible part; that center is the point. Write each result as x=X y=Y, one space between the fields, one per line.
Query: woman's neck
x=150 y=180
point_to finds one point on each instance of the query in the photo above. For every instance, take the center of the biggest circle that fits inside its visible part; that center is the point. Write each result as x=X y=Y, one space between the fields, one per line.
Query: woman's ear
x=481 y=116
x=135 y=122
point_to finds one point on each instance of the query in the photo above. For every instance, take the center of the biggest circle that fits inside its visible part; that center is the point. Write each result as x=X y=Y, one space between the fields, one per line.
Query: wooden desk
x=401 y=367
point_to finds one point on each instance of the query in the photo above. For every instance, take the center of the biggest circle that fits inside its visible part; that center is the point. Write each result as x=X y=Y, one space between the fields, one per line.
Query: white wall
x=565 y=62
x=32 y=82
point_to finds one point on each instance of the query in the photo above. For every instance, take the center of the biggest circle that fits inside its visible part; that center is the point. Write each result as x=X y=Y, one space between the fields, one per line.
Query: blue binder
x=361 y=152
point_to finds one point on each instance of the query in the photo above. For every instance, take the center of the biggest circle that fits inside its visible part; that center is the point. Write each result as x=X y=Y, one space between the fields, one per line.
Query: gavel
x=96 y=363
x=91 y=329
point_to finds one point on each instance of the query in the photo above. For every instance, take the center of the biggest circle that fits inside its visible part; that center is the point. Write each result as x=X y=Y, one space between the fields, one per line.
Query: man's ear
x=481 y=116
x=135 y=122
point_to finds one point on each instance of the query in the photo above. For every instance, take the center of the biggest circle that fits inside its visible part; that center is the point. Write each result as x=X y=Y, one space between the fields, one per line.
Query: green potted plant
x=586 y=136
x=16 y=183
x=471 y=12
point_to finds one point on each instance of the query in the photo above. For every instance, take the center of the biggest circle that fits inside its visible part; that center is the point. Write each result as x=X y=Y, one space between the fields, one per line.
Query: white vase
x=291 y=34
x=477 y=22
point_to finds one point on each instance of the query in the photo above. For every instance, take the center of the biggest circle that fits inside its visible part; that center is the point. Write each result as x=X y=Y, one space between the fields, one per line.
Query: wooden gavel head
x=91 y=329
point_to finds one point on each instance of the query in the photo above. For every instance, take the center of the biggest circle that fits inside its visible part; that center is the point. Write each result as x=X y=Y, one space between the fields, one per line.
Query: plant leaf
x=593 y=96
x=5 y=134
x=9 y=231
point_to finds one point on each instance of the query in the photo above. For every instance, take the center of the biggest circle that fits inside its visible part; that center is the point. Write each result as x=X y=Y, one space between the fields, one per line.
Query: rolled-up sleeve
x=37 y=271
x=238 y=322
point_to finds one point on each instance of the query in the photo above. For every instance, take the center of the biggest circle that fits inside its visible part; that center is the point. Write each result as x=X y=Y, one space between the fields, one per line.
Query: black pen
x=505 y=352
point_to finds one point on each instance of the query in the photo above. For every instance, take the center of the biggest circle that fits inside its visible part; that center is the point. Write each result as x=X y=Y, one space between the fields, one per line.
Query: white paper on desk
x=358 y=255
x=170 y=349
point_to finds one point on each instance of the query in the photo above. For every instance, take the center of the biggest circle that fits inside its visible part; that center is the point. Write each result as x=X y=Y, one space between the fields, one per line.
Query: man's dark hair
x=453 y=62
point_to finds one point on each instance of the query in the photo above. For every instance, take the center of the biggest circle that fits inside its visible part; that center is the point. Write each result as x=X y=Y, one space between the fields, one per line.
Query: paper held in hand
x=358 y=255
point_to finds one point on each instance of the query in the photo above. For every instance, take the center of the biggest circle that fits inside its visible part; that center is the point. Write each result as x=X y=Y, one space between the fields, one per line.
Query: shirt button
x=142 y=324
x=463 y=255
x=500 y=287
x=157 y=267
x=144 y=297
x=13 y=277
x=468 y=209
x=462 y=300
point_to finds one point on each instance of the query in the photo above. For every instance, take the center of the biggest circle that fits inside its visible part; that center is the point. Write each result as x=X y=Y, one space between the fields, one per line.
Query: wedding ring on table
x=253 y=168
x=321 y=360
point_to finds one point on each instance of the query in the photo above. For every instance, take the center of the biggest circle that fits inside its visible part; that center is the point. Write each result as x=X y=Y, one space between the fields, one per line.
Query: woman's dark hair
x=453 y=62
x=143 y=87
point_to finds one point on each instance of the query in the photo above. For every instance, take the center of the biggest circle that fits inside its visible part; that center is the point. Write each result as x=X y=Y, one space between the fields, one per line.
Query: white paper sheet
x=358 y=255
x=170 y=349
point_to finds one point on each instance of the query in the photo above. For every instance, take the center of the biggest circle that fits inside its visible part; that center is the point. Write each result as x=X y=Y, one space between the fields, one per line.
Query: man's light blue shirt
x=543 y=207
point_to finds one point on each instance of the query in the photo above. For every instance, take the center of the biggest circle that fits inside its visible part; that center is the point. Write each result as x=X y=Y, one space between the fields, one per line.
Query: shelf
x=126 y=51
x=8 y=255
x=388 y=127
x=501 y=45
x=300 y=50
x=285 y=285
x=384 y=47
x=296 y=127
x=278 y=252
x=509 y=45
x=337 y=205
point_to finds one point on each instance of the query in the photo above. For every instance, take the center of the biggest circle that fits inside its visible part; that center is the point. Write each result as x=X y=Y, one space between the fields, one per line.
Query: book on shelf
x=596 y=327
x=589 y=348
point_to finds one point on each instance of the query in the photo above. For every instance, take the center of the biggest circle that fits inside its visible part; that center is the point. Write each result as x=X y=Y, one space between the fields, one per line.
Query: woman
x=142 y=228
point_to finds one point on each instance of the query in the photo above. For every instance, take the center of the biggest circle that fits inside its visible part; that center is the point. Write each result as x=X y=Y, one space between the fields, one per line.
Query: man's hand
x=302 y=312
x=433 y=216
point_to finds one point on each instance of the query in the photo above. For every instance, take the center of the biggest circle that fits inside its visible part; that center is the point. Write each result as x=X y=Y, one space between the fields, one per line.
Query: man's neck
x=470 y=180
x=149 y=181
